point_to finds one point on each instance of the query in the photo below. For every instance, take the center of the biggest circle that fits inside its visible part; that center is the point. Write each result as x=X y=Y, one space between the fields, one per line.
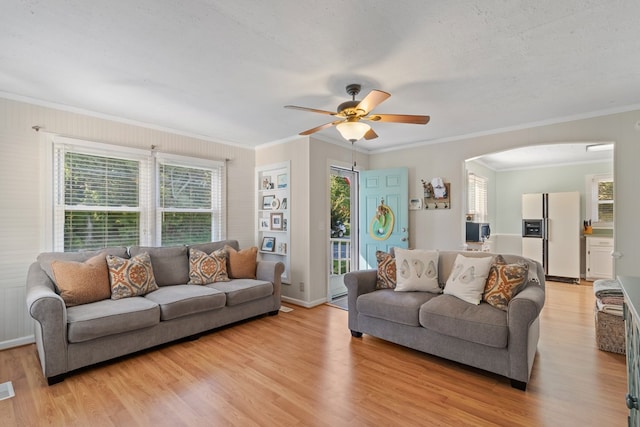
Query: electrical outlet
x=301 y=286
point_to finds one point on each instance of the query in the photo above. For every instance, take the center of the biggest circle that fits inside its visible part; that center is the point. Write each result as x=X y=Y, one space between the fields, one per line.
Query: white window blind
x=190 y=201
x=109 y=196
x=602 y=203
x=477 y=196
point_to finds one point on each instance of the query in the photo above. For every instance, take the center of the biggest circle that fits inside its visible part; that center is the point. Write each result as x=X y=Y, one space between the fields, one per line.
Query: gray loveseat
x=69 y=338
x=482 y=336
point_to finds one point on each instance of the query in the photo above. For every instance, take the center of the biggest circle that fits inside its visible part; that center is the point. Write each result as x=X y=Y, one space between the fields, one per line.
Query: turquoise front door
x=384 y=209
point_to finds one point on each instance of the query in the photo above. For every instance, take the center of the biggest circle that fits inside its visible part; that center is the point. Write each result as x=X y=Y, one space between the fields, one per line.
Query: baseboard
x=17 y=342
x=306 y=304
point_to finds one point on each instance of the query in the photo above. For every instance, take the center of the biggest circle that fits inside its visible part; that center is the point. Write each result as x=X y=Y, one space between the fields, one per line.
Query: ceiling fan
x=350 y=114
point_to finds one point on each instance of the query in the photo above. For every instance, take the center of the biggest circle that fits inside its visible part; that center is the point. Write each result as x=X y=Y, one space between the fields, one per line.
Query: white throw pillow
x=468 y=277
x=416 y=270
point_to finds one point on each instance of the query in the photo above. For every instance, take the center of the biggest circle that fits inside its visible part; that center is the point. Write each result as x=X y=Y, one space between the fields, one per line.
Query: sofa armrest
x=522 y=318
x=272 y=271
x=48 y=309
x=358 y=283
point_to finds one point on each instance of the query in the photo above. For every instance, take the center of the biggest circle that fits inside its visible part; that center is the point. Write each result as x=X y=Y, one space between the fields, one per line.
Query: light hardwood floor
x=303 y=369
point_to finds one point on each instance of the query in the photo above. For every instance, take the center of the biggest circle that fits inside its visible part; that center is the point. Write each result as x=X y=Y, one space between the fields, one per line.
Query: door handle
x=404 y=239
x=404 y=229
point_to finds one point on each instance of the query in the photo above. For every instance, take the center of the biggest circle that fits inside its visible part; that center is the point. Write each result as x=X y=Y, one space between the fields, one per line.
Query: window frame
x=593 y=202
x=481 y=212
x=150 y=234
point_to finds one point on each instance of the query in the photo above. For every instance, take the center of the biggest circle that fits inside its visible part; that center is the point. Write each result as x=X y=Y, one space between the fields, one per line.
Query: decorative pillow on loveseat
x=386 y=271
x=205 y=269
x=503 y=282
x=131 y=277
x=82 y=282
x=468 y=278
x=416 y=270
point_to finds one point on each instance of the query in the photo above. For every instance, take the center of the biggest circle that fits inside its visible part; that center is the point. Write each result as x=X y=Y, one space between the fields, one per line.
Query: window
x=477 y=197
x=189 y=203
x=104 y=196
x=602 y=200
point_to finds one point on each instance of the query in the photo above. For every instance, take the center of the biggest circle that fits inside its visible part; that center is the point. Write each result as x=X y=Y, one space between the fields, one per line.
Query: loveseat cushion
x=481 y=324
x=398 y=307
x=183 y=300
x=239 y=291
x=170 y=263
x=109 y=317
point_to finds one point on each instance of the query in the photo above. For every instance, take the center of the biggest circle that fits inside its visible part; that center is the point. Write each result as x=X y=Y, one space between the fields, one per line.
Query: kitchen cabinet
x=599 y=263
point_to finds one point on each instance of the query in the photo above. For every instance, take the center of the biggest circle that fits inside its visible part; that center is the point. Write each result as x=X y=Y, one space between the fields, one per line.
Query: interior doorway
x=343 y=229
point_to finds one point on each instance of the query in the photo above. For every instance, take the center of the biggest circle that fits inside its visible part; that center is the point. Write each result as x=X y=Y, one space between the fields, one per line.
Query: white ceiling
x=223 y=70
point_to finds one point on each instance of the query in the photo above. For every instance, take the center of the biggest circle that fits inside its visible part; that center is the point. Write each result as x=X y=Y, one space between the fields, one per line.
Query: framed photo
x=415 y=204
x=268 y=244
x=264 y=224
x=277 y=222
x=282 y=180
x=283 y=204
x=266 y=202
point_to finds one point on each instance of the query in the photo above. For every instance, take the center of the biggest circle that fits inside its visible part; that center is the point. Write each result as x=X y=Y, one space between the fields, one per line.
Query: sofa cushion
x=183 y=300
x=45 y=258
x=398 y=307
x=481 y=324
x=131 y=277
x=109 y=317
x=468 y=277
x=170 y=263
x=205 y=269
x=386 y=278
x=417 y=270
x=503 y=283
x=82 y=282
x=239 y=291
x=242 y=264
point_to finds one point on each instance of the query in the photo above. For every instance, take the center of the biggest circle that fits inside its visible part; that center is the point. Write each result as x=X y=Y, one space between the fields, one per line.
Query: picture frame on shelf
x=277 y=221
x=264 y=224
x=275 y=203
x=282 y=180
x=268 y=244
x=266 y=183
x=283 y=204
x=266 y=202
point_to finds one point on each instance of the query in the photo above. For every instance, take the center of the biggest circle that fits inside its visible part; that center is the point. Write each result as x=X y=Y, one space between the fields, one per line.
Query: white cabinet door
x=599 y=261
x=564 y=235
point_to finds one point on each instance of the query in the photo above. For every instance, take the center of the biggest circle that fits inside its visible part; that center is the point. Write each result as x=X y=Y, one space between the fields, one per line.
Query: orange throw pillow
x=242 y=264
x=82 y=282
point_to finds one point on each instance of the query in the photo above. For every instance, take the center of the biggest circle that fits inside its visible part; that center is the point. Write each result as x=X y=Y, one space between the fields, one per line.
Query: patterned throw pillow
x=242 y=264
x=205 y=269
x=503 y=282
x=417 y=270
x=468 y=278
x=386 y=271
x=131 y=277
x=82 y=282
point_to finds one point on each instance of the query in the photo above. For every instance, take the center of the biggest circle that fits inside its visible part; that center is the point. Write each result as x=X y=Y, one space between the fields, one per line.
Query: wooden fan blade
x=399 y=118
x=371 y=134
x=372 y=100
x=319 y=128
x=313 y=110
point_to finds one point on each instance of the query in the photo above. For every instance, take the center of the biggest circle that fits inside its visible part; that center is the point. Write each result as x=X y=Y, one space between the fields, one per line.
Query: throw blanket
x=603 y=288
x=615 y=309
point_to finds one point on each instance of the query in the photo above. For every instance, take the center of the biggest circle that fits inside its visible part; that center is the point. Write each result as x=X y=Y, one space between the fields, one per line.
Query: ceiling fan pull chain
x=353 y=153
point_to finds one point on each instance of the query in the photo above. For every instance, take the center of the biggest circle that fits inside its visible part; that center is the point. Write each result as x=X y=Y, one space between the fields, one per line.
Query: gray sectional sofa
x=69 y=338
x=482 y=336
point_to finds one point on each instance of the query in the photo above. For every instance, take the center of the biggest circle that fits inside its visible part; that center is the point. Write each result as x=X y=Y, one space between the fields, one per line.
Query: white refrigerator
x=551 y=232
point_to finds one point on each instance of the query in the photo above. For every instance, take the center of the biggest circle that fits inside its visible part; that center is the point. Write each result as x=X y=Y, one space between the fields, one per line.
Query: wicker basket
x=610 y=334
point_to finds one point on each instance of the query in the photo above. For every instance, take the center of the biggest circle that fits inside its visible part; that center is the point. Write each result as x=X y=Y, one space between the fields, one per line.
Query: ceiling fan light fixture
x=353 y=131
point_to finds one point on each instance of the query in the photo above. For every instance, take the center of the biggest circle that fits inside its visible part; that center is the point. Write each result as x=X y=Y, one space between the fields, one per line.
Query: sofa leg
x=273 y=313
x=55 y=379
x=356 y=334
x=520 y=385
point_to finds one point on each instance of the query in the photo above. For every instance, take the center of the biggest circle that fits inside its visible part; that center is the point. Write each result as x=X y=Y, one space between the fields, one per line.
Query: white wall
x=22 y=191
x=443 y=228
